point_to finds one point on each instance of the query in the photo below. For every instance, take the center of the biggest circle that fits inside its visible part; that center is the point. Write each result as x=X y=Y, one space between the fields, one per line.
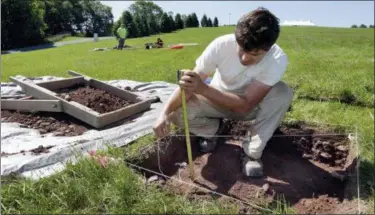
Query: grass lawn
x=330 y=64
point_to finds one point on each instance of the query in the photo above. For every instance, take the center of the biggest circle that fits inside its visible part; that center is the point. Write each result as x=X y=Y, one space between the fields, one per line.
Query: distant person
x=159 y=43
x=122 y=32
x=248 y=66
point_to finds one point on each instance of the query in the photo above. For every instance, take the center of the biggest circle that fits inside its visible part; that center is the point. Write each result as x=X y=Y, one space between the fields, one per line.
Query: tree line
x=207 y=22
x=30 y=22
x=362 y=26
x=145 y=18
x=33 y=22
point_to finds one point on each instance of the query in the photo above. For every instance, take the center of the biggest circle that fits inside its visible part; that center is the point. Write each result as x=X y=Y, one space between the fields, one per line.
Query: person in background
x=159 y=43
x=122 y=32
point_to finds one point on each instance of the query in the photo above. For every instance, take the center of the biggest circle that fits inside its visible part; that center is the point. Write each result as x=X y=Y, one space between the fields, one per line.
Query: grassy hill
x=331 y=70
x=325 y=63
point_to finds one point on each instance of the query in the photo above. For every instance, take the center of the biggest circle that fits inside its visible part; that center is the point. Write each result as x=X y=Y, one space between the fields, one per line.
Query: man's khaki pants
x=204 y=118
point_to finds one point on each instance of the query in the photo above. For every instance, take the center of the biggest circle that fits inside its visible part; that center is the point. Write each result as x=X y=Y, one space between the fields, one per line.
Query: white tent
x=298 y=23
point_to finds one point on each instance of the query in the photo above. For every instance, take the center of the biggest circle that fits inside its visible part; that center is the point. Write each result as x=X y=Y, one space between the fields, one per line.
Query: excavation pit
x=313 y=168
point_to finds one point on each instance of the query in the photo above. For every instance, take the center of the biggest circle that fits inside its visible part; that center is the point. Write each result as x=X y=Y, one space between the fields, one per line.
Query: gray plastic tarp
x=15 y=138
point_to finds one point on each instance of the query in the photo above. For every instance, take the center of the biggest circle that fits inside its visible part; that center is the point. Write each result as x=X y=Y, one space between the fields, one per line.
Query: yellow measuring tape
x=187 y=132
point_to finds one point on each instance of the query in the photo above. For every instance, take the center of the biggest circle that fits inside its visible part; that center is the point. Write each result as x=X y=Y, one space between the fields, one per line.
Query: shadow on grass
x=367 y=179
x=46 y=45
x=346 y=97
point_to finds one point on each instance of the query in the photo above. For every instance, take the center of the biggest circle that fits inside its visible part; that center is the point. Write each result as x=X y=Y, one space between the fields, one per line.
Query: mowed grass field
x=331 y=70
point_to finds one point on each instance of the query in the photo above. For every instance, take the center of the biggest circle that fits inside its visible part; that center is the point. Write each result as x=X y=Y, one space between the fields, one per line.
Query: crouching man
x=246 y=85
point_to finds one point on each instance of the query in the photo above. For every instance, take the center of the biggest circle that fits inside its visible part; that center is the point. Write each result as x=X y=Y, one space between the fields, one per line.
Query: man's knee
x=192 y=105
x=283 y=92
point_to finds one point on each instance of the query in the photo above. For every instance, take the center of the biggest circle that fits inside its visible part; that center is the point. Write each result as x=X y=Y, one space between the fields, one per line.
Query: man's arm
x=254 y=93
x=205 y=64
x=161 y=126
x=175 y=100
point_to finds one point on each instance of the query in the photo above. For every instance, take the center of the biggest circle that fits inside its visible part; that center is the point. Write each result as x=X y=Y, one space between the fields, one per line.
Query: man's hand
x=162 y=126
x=192 y=82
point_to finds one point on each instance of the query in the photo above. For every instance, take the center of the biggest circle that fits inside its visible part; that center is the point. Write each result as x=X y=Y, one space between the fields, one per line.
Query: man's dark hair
x=258 y=29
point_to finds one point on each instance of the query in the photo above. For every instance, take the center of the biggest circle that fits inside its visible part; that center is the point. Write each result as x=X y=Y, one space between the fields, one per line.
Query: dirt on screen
x=62 y=124
x=307 y=168
x=96 y=99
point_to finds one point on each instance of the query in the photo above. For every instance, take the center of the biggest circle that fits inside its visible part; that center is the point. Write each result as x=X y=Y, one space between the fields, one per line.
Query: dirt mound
x=287 y=172
x=41 y=149
x=60 y=124
x=96 y=99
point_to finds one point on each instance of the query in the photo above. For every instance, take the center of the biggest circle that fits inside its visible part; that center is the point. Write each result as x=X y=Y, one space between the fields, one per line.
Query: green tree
x=145 y=26
x=185 y=20
x=60 y=15
x=97 y=17
x=194 y=20
x=204 y=21
x=172 y=23
x=154 y=27
x=363 y=26
x=142 y=26
x=149 y=11
x=146 y=8
x=77 y=16
x=35 y=19
x=209 y=22
x=371 y=26
x=354 y=26
x=128 y=20
x=216 y=22
x=189 y=21
x=179 y=22
x=166 y=24
x=115 y=26
x=21 y=20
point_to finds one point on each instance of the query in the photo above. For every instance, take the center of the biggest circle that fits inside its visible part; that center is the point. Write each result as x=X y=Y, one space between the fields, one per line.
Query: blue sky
x=322 y=13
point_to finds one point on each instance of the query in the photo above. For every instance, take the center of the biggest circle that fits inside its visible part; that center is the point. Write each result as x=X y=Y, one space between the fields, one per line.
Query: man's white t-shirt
x=221 y=55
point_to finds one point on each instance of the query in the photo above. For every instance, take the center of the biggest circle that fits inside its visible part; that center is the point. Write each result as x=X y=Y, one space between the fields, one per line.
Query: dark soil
x=298 y=167
x=41 y=149
x=329 y=150
x=60 y=124
x=96 y=99
x=4 y=154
